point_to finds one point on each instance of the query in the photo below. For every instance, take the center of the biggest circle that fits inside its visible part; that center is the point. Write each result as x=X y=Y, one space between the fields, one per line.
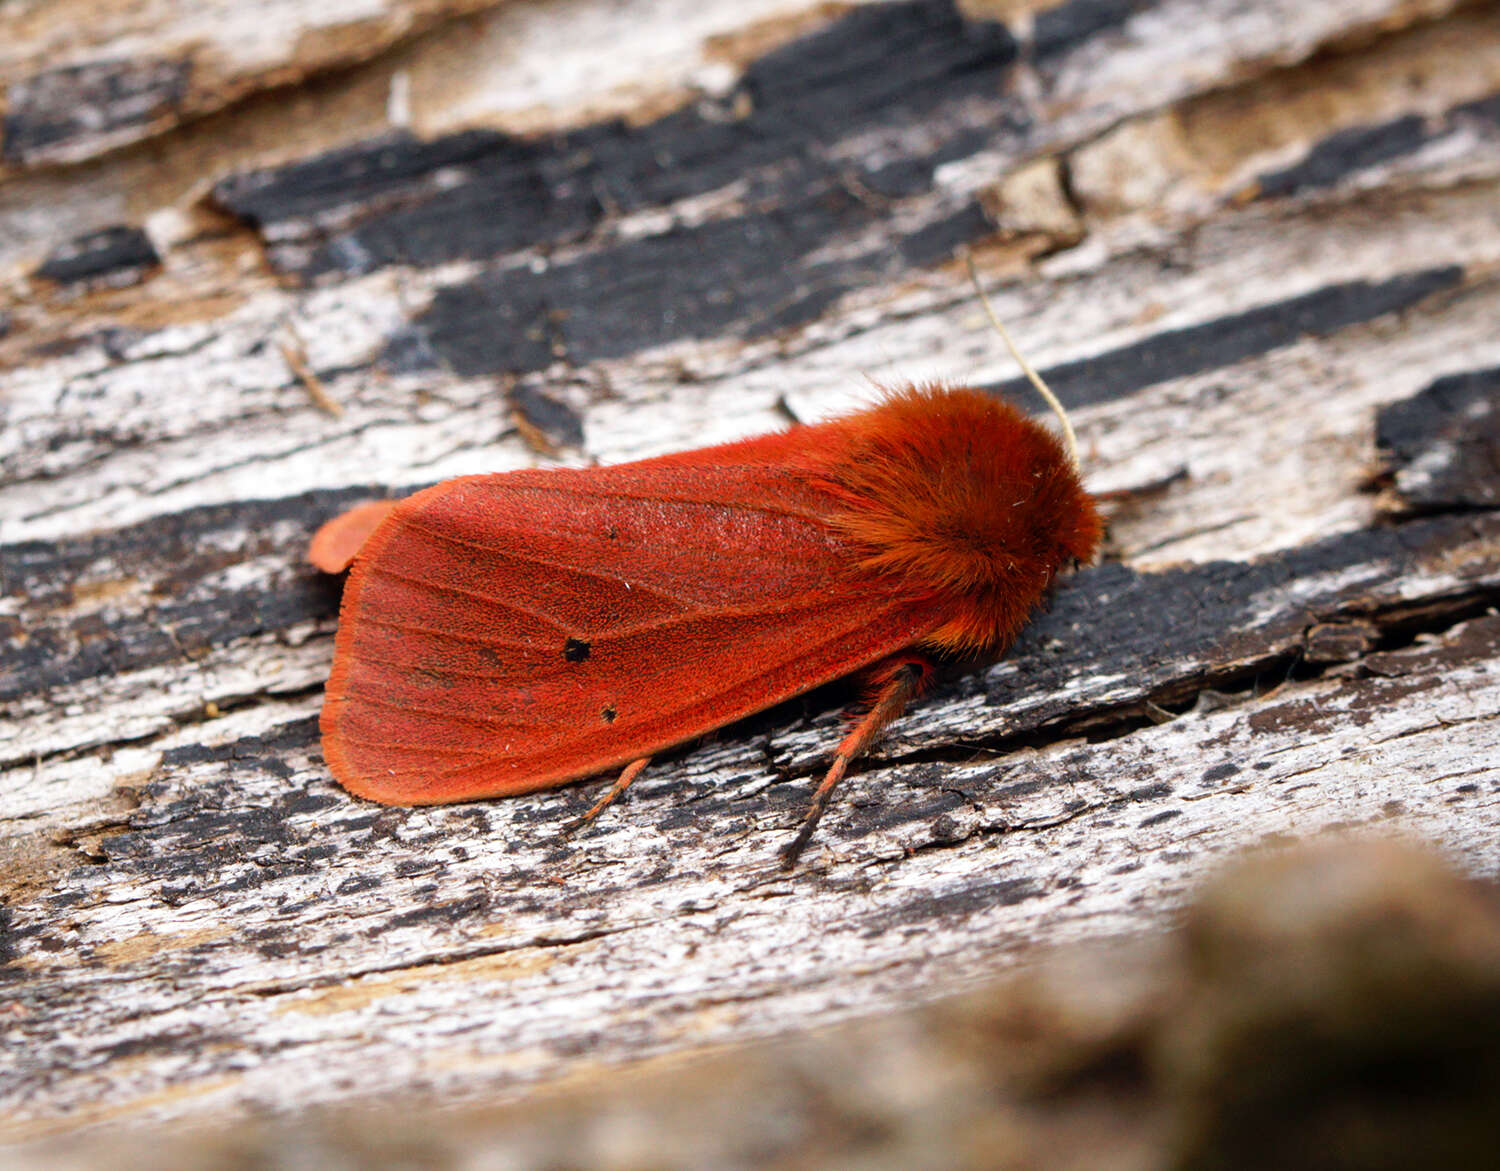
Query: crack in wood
x=432 y=960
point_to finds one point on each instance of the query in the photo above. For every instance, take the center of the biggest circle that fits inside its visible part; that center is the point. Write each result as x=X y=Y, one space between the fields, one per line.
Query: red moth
x=512 y=632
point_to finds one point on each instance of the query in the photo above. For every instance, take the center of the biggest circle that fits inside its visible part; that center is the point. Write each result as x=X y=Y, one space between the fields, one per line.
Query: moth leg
x=630 y=772
x=896 y=683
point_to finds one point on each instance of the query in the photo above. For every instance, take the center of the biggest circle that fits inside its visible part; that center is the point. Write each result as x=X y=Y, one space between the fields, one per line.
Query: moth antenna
x=1069 y=438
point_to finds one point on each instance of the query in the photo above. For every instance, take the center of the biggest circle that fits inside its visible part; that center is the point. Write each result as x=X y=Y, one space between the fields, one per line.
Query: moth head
x=957 y=494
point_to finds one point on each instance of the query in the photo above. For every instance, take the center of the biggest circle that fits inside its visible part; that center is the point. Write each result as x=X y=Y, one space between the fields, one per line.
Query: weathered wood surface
x=1243 y=237
x=1267 y=1031
x=84 y=77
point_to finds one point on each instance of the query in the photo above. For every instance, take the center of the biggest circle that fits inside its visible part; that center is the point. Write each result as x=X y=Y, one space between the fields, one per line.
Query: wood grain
x=1255 y=257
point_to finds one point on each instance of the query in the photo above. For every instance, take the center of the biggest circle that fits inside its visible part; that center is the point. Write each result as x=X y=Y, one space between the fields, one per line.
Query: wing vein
x=736 y=505
x=427 y=749
x=667 y=622
x=527 y=558
x=446 y=713
x=419 y=669
x=475 y=595
x=432 y=631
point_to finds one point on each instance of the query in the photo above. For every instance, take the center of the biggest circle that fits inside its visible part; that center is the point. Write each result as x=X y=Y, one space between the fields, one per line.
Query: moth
x=505 y=633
